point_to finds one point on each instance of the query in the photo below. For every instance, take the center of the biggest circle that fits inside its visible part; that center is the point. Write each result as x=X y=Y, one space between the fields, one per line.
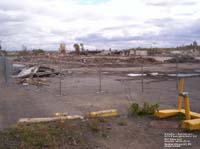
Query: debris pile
x=17 y=68
x=32 y=75
x=36 y=71
x=126 y=60
x=142 y=59
x=182 y=59
x=33 y=81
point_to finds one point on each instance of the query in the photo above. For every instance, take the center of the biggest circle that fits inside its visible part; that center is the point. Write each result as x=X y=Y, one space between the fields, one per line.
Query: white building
x=138 y=52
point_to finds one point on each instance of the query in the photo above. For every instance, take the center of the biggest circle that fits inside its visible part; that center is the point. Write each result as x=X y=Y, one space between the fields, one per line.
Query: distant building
x=176 y=52
x=138 y=52
x=105 y=52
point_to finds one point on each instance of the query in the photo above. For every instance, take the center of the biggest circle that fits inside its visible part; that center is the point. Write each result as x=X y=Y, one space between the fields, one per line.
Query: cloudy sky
x=98 y=23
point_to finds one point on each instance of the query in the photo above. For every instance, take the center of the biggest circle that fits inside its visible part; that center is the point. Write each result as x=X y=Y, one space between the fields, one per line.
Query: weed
x=180 y=116
x=121 y=123
x=53 y=134
x=104 y=135
x=99 y=127
x=46 y=135
x=94 y=125
x=147 y=109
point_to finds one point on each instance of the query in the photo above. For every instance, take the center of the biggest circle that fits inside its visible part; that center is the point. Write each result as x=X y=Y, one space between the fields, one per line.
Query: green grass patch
x=146 y=109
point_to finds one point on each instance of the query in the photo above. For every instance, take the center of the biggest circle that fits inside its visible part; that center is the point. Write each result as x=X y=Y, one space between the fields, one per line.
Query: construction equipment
x=192 y=121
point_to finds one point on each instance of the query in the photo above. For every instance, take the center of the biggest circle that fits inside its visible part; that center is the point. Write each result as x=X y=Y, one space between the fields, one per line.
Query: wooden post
x=5 y=69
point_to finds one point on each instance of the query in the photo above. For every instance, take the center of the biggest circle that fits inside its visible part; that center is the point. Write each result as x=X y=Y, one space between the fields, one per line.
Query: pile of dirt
x=128 y=60
x=88 y=61
x=22 y=59
x=182 y=59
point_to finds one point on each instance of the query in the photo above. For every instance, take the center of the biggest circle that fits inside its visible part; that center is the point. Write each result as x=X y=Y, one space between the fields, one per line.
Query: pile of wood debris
x=36 y=71
x=33 y=81
x=32 y=75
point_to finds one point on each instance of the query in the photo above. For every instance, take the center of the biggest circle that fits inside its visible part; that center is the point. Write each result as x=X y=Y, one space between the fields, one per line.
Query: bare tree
x=82 y=47
x=24 y=48
x=195 y=44
x=24 y=51
x=62 y=48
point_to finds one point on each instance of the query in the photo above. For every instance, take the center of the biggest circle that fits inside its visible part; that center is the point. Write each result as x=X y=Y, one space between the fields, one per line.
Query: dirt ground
x=80 y=94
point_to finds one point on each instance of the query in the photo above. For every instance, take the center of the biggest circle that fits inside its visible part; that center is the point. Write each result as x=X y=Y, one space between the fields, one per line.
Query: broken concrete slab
x=17 y=68
x=48 y=119
x=27 y=72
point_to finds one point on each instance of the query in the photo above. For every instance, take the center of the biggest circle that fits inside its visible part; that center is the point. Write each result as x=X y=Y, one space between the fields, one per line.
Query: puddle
x=154 y=74
x=159 y=74
x=183 y=75
x=139 y=74
x=135 y=75
x=197 y=70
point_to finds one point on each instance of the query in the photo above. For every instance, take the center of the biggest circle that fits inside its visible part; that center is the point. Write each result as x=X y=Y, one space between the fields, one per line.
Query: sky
x=98 y=24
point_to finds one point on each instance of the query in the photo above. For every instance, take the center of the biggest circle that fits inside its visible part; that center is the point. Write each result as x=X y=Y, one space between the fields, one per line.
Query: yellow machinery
x=192 y=121
x=105 y=113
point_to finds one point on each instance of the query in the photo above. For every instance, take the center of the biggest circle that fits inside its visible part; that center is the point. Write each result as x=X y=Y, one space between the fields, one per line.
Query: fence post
x=60 y=77
x=100 y=77
x=177 y=73
x=142 y=76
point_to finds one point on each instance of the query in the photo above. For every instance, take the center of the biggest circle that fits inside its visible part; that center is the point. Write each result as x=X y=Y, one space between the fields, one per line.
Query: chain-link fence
x=5 y=70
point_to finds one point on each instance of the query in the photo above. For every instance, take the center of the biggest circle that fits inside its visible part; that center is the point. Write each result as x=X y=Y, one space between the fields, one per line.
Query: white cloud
x=47 y=22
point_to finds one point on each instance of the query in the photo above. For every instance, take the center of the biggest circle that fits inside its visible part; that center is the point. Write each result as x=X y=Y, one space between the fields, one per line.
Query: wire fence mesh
x=5 y=70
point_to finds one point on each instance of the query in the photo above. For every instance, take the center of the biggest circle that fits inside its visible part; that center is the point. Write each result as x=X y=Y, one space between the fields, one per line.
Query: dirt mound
x=127 y=60
x=140 y=60
x=183 y=59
